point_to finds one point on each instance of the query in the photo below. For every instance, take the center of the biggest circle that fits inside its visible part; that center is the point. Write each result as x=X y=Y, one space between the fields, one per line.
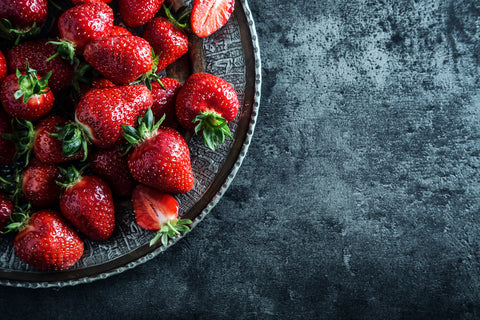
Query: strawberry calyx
x=146 y=129
x=71 y=176
x=23 y=137
x=66 y=50
x=74 y=138
x=10 y=34
x=30 y=84
x=19 y=219
x=170 y=230
x=150 y=76
x=12 y=187
x=214 y=128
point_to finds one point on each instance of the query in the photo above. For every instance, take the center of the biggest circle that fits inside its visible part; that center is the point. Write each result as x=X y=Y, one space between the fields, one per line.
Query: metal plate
x=232 y=53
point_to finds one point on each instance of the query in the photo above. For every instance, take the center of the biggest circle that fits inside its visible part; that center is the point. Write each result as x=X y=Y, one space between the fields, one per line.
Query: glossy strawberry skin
x=37 y=52
x=163 y=162
x=210 y=15
x=120 y=59
x=48 y=243
x=168 y=42
x=24 y=13
x=110 y=165
x=88 y=205
x=76 y=24
x=77 y=2
x=164 y=101
x=48 y=149
x=39 y=185
x=7 y=147
x=3 y=67
x=102 y=111
x=136 y=13
x=119 y=31
x=153 y=208
x=205 y=92
x=6 y=209
x=35 y=108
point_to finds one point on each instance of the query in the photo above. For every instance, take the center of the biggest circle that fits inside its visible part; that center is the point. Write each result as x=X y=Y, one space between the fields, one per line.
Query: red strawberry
x=210 y=15
x=161 y=158
x=158 y=211
x=76 y=2
x=47 y=242
x=168 y=41
x=3 y=67
x=38 y=183
x=207 y=103
x=7 y=147
x=37 y=52
x=136 y=13
x=120 y=59
x=22 y=17
x=6 y=209
x=36 y=97
x=81 y=24
x=164 y=101
x=100 y=83
x=88 y=204
x=119 y=31
x=112 y=166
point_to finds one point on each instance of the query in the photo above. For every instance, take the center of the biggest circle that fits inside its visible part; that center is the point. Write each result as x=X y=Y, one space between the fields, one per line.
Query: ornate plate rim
x=216 y=198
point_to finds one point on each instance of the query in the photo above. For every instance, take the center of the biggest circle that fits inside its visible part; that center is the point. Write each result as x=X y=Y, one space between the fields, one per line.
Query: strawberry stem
x=74 y=140
x=19 y=218
x=23 y=137
x=30 y=84
x=146 y=128
x=171 y=229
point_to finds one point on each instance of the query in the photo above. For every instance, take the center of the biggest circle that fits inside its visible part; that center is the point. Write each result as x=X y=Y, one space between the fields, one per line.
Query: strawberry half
x=88 y=204
x=136 y=13
x=161 y=158
x=47 y=242
x=157 y=211
x=210 y=15
x=26 y=96
x=207 y=104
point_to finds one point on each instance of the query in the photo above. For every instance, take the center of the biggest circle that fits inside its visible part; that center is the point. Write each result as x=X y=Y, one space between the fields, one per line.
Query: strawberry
x=37 y=99
x=38 y=184
x=7 y=147
x=168 y=41
x=164 y=101
x=119 y=31
x=112 y=166
x=158 y=211
x=22 y=18
x=136 y=13
x=42 y=139
x=3 y=67
x=76 y=2
x=100 y=83
x=161 y=158
x=100 y=114
x=47 y=242
x=88 y=204
x=80 y=25
x=210 y=15
x=37 y=52
x=6 y=209
x=207 y=103
x=121 y=59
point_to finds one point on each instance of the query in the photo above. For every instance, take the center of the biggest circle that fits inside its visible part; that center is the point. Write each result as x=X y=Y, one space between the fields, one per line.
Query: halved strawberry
x=158 y=211
x=210 y=15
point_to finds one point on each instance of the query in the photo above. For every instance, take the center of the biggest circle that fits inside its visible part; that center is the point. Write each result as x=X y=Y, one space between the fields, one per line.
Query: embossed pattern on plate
x=231 y=53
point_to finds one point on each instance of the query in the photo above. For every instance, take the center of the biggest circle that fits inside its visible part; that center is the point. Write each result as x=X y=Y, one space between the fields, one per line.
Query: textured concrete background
x=359 y=198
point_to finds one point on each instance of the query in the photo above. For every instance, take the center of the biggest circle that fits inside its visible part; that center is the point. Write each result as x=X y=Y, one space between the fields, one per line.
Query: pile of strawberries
x=85 y=118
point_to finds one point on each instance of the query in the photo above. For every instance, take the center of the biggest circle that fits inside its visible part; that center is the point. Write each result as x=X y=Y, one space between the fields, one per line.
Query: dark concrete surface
x=359 y=197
